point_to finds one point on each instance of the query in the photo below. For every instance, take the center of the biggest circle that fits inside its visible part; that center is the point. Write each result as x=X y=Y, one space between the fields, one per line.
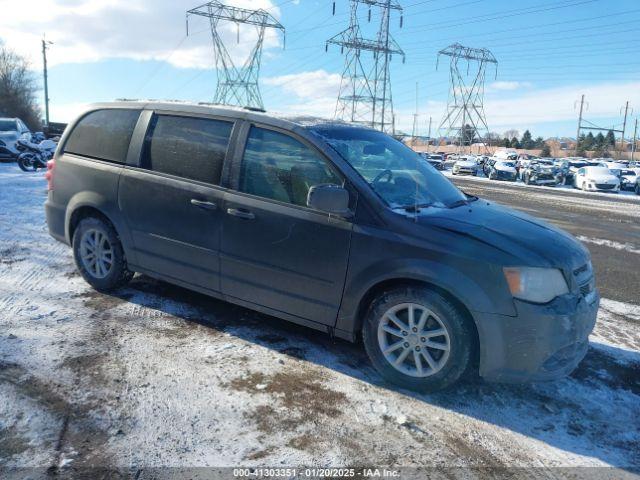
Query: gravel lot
x=157 y=376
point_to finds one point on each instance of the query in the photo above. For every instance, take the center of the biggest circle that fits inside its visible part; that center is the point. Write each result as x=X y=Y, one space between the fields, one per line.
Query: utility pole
x=429 y=144
x=579 y=124
x=635 y=139
x=45 y=44
x=415 y=120
x=624 y=127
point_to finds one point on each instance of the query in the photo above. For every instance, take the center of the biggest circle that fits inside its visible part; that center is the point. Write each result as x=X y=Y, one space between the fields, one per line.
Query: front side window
x=187 y=147
x=103 y=134
x=279 y=167
x=392 y=169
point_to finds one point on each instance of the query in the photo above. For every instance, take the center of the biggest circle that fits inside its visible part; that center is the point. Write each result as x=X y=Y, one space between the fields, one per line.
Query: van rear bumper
x=55 y=220
x=543 y=342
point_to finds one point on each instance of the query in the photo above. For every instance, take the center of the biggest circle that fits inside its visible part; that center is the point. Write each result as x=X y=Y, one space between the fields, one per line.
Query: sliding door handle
x=241 y=213
x=203 y=204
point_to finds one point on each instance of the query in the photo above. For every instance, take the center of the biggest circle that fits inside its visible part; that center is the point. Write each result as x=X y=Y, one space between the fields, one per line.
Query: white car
x=596 y=179
x=465 y=166
x=10 y=130
x=629 y=177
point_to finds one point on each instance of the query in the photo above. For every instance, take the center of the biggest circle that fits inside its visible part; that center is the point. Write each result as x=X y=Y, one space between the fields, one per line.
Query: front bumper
x=601 y=188
x=543 y=342
x=509 y=176
x=464 y=171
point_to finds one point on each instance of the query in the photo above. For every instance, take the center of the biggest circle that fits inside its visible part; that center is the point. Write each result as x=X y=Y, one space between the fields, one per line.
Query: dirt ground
x=156 y=376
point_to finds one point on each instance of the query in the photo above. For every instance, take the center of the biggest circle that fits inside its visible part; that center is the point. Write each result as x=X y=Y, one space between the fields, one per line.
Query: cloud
x=93 y=30
x=508 y=86
x=558 y=104
x=318 y=84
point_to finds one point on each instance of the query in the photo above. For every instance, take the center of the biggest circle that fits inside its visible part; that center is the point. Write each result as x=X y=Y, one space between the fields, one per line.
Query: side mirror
x=329 y=198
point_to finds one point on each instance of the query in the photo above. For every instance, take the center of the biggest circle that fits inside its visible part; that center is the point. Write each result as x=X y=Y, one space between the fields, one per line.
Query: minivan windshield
x=394 y=171
x=8 y=125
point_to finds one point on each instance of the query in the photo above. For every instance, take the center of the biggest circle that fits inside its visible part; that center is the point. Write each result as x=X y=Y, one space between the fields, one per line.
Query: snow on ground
x=158 y=376
x=627 y=247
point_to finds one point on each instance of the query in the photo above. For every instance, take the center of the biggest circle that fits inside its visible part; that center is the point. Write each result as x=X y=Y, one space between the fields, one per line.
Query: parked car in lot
x=503 y=170
x=437 y=161
x=596 y=179
x=539 y=172
x=567 y=169
x=336 y=227
x=11 y=129
x=628 y=178
x=465 y=166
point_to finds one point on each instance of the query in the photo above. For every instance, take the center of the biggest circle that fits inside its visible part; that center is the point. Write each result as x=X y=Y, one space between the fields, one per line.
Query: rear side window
x=279 y=167
x=103 y=134
x=187 y=147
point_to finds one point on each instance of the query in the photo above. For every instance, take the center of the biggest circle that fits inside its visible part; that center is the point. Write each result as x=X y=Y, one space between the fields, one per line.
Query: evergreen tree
x=599 y=141
x=515 y=143
x=589 y=141
x=505 y=143
x=527 y=140
x=611 y=138
x=546 y=150
x=539 y=142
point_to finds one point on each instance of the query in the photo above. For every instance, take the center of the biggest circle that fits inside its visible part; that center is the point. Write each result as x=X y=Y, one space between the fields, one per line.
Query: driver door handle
x=203 y=204
x=241 y=213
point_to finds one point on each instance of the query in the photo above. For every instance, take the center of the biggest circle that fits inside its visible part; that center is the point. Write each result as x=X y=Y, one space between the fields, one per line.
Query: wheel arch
x=89 y=204
x=399 y=282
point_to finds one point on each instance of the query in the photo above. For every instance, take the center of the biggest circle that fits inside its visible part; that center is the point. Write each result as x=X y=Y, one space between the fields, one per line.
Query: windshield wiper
x=415 y=207
x=458 y=203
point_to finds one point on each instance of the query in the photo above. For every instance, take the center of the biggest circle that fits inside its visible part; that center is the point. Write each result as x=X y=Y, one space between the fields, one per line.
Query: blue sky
x=549 y=53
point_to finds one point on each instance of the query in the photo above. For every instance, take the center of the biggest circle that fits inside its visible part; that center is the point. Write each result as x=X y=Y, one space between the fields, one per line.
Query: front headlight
x=538 y=285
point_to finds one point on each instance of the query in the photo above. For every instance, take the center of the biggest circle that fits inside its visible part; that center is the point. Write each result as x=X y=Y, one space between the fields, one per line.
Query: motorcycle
x=34 y=155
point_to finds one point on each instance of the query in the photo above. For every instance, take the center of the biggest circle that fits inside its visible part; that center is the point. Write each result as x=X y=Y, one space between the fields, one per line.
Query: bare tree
x=512 y=133
x=18 y=89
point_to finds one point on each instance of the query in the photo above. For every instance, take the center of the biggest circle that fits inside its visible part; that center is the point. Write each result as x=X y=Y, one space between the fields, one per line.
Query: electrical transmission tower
x=465 y=107
x=365 y=90
x=237 y=85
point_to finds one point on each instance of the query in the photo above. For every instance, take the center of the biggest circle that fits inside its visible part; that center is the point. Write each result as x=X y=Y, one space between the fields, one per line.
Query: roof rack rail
x=255 y=109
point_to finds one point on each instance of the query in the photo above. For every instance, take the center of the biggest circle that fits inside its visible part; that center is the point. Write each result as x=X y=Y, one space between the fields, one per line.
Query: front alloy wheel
x=418 y=338
x=413 y=340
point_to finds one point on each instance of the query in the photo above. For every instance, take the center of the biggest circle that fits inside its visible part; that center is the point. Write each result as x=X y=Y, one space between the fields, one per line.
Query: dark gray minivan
x=334 y=226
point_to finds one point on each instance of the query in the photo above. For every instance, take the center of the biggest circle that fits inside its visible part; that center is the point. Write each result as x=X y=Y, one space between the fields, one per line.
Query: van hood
x=526 y=240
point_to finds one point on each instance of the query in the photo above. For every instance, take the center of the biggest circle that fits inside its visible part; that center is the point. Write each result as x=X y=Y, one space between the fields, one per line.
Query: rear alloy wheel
x=417 y=339
x=99 y=255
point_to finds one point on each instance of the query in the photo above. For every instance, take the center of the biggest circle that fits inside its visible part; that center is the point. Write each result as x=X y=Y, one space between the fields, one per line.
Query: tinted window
x=103 y=134
x=187 y=147
x=280 y=167
x=8 y=125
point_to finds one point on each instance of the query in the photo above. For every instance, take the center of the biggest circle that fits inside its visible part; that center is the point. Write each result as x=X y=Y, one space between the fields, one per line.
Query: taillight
x=49 y=175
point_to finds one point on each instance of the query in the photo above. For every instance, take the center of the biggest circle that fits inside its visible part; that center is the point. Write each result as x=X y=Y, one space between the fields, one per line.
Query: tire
x=117 y=274
x=443 y=315
x=26 y=162
x=637 y=188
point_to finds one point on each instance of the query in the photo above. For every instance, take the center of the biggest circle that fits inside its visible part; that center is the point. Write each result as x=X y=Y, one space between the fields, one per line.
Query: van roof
x=247 y=113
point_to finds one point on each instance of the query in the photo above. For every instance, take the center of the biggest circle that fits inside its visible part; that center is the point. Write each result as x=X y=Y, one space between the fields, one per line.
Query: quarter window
x=187 y=147
x=103 y=134
x=279 y=167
